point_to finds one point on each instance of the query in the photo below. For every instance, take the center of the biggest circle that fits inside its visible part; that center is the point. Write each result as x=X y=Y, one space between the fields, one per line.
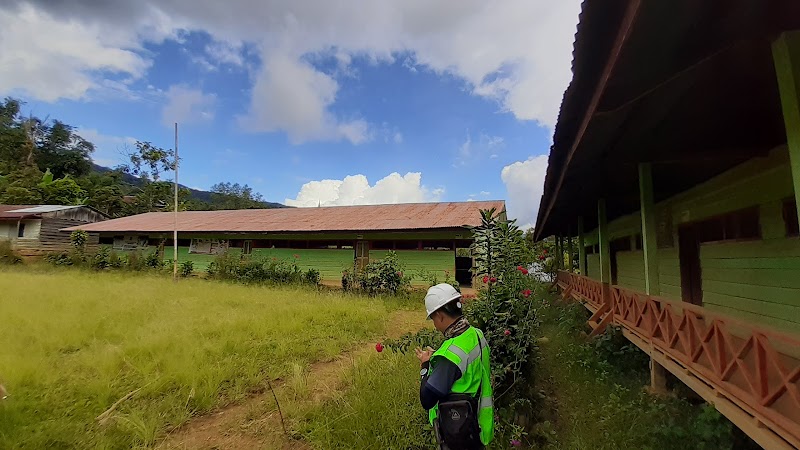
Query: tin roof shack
x=426 y=236
x=36 y=229
x=675 y=165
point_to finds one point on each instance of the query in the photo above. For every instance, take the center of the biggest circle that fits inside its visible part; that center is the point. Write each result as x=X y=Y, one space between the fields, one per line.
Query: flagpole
x=175 y=231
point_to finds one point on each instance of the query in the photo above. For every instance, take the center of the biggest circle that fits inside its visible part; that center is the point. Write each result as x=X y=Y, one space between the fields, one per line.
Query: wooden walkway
x=749 y=374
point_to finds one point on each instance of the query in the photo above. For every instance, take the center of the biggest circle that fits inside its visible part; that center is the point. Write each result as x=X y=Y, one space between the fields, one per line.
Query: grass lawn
x=74 y=343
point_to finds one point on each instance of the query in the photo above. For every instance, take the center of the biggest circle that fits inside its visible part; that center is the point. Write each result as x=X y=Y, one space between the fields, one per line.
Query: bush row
x=242 y=268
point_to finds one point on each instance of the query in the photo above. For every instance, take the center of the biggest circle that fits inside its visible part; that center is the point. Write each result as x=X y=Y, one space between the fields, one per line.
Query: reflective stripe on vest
x=464 y=351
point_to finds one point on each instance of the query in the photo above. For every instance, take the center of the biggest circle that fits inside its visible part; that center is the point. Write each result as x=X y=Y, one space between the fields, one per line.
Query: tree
x=235 y=196
x=61 y=150
x=149 y=162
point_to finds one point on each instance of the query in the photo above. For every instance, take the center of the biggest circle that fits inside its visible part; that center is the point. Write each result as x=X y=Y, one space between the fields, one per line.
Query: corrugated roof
x=12 y=211
x=406 y=216
x=43 y=209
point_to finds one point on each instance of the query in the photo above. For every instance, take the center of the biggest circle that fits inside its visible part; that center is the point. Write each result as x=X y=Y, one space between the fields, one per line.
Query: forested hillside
x=47 y=162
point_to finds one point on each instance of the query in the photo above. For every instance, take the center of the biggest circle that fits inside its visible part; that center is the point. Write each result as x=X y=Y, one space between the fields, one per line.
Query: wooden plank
x=581 y=248
x=788 y=313
x=754 y=263
x=786 y=278
x=605 y=251
x=765 y=293
x=649 y=238
x=786 y=55
x=776 y=324
x=751 y=249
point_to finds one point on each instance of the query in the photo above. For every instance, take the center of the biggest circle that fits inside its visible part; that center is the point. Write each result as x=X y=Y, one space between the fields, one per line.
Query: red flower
x=493 y=280
x=541 y=257
x=507 y=332
x=520 y=268
x=524 y=271
x=485 y=279
x=378 y=347
x=526 y=293
x=545 y=251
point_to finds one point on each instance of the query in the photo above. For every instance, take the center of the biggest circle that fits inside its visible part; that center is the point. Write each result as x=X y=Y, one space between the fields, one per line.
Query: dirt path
x=255 y=422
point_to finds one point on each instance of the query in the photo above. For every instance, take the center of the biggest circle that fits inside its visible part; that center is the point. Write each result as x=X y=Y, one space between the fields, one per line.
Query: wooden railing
x=751 y=374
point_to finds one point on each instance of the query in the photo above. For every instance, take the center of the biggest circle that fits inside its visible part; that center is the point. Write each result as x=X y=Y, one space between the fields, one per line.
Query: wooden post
x=571 y=253
x=605 y=261
x=658 y=374
x=602 y=235
x=559 y=253
x=786 y=54
x=649 y=241
x=581 y=248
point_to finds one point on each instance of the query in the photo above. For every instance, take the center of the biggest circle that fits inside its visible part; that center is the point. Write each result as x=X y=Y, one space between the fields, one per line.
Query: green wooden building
x=675 y=170
x=430 y=239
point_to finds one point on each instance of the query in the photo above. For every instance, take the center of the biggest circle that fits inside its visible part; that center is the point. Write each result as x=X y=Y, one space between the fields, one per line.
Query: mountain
x=196 y=194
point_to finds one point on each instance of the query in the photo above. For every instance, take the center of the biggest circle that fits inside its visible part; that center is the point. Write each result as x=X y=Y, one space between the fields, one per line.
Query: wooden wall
x=49 y=238
x=630 y=270
x=756 y=280
x=433 y=261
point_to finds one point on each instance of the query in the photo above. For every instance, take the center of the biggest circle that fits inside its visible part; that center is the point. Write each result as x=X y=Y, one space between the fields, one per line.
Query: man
x=456 y=384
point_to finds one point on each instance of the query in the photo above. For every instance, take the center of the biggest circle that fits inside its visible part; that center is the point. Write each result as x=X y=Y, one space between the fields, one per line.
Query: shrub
x=243 y=269
x=101 y=259
x=7 y=254
x=79 y=239
x=153 y=261
x=187 y=268
x=383 y=276
x=134 y=261
x=59 y=259
x=313 y=277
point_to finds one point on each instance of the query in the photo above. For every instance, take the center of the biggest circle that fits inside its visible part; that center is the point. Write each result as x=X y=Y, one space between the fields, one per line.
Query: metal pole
x=175 y=231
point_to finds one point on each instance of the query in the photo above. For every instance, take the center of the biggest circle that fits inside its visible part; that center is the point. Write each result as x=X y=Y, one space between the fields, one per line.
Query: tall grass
x=380 y=408
x=73 y=343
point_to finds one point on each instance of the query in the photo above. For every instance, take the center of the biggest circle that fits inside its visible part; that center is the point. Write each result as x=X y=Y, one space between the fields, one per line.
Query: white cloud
x=484 y=146
x=524 y=182
x=292 y=96
x=514 y=52
x=187 y=106
x=398 y=138
x=226 y=53
x=49 y=59
x=109 y=151
x=356 y=190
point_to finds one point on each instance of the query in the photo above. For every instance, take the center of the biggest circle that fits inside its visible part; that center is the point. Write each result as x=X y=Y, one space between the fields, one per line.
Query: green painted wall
x=630 y=270
x=669 y=271
x=329 y=262
x=756 y=280
x=435 y=261
x=593 y=266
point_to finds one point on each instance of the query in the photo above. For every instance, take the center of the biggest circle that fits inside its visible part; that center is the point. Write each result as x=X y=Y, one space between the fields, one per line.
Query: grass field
x=74 y=343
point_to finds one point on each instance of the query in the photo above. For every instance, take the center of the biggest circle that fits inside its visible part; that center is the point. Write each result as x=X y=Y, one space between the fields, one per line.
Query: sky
x=324 y=102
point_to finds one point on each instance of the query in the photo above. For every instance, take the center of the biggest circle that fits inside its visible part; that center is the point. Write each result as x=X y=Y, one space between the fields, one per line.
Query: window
x=790 y=217
x=21 y=230
x=739 y=225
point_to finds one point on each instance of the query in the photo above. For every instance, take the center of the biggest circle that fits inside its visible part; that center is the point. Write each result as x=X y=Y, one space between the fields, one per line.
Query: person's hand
x=424 y=355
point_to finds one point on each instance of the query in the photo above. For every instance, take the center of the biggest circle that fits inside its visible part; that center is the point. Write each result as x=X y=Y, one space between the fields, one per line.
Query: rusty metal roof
x=396 y=217
x=13 y=211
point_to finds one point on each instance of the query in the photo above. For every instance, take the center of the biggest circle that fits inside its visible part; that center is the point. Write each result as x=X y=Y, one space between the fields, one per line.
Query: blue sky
x=308 y=102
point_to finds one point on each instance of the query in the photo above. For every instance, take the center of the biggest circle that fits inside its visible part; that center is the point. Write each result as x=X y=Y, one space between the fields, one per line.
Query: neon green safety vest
x=464 y=351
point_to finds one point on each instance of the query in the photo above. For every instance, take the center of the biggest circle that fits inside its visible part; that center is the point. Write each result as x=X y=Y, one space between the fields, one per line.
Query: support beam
x=649 y=240
x=581 y=248
x=602 y=235
x=570 y=254
x=558 y=255
x=786 y=53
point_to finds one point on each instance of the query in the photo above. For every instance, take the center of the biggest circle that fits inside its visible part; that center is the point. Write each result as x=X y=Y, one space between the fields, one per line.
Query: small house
x=36 y=229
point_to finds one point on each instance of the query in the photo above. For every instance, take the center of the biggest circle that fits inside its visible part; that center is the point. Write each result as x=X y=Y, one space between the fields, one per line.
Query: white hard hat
x=438 y=296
